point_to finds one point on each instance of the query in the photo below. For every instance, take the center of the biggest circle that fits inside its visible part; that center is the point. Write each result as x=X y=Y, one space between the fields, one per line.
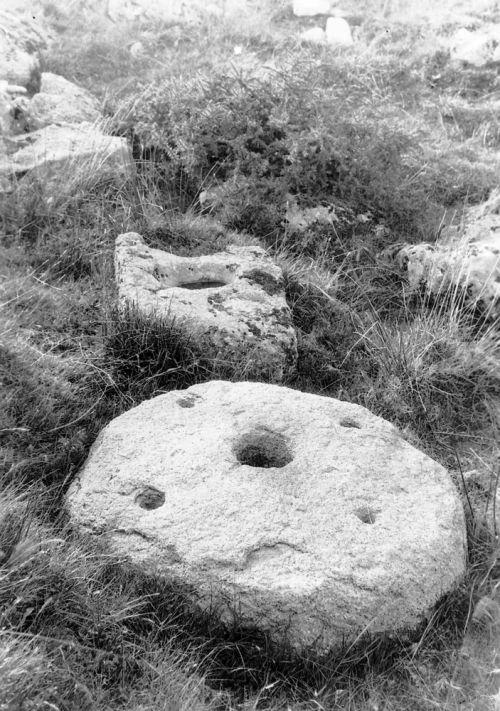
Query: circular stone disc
x=301 y=514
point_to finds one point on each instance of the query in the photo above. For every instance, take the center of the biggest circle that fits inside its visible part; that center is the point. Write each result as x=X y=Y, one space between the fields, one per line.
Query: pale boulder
x=23 y=30
x=60 y=101
x=338 y=32
x=234 y=299
x=16 y=65
x=314 y=35
x=58 y=154
x=310 y=8
x=5 y=113
x=307 y=517
x=473 y=48
x=464 y=263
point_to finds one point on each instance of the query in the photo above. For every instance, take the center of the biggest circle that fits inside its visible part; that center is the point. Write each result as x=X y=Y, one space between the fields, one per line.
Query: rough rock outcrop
x=51 y=150
x=299 y=514
x=476 y=47
x=60 y=101
x=20 y=43
x=314 y=35
x=23 y=30
x=17 y=66
x=234 y=298
x=56 y=128
x=44 y=119
x=464 y=263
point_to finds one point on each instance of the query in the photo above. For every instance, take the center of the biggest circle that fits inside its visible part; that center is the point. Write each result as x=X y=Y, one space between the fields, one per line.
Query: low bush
x=238 y=129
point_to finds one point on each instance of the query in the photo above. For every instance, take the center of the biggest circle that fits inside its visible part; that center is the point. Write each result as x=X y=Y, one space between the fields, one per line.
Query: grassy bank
x=325 y=158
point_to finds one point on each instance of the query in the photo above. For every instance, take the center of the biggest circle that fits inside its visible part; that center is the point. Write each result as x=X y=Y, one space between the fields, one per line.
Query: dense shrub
x=263 y=139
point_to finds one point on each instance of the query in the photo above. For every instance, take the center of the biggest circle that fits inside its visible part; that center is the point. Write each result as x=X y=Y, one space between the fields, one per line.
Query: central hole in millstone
x=150 y=498
x=263 y=449
x=201 y=285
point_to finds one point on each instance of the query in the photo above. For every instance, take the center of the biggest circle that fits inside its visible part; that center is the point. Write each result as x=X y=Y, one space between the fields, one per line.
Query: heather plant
x=235 y=131
x=250 y=142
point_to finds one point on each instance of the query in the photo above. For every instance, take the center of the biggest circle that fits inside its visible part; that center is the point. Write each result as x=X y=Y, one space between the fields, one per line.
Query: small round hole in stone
x=150 y=498
x=349 y=422
x=263 y=449
x=366 y=514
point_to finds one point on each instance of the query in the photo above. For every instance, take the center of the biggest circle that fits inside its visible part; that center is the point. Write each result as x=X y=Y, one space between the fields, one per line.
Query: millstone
x=305 y=516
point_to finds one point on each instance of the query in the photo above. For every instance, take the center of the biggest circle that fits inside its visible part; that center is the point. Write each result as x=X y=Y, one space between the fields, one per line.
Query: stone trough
x=304 y=516
x=57 y=154
x=234 y=300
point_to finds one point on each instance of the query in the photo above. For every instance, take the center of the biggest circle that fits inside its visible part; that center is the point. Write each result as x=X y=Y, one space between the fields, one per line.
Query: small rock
x=14 y=89
x=205 y=198
x=301 y=515
x=137 y=50
x=338 y=32
x=23 y=30
x=310 y=8
x=300 y=219
x=314 y=35
x=214 y=10
x=479 y=479
x=16 y=65
x=471 y=47
x=60 y=101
